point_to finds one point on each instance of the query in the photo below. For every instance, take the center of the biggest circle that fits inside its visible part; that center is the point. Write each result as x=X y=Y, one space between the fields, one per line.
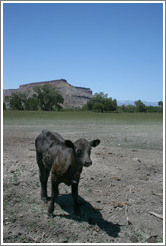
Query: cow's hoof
x=45 y=199
x=50 y=215
x=76 y=215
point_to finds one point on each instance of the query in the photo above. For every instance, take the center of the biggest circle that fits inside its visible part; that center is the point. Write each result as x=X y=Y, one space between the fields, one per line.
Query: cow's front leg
x=43 y=176
x=44 y=179
x=54 y=194
x=74 y=189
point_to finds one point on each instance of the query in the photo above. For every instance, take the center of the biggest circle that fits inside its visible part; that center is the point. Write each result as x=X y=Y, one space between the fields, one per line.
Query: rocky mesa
x=73 y=96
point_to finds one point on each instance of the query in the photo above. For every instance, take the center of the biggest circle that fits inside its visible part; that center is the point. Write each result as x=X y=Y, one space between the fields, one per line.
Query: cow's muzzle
x=87 y=163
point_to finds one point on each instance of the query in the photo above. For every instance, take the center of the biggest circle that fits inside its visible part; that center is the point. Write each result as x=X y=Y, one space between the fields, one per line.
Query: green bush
x=4 y=106
x=49 y=98
x=18 y=101
x=101 y=103
x=32 y=103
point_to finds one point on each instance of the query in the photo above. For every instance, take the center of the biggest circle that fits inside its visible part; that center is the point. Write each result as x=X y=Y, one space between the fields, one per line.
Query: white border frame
x=86 y=1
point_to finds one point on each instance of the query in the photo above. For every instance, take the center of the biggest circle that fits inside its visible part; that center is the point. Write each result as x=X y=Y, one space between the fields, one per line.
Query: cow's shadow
x=87 y=213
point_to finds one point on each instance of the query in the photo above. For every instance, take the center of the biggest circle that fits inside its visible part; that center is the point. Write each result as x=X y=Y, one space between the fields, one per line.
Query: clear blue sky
x=116 y=48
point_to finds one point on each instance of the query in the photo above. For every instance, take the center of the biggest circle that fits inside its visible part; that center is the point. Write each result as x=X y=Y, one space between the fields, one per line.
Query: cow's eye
x=79 y=152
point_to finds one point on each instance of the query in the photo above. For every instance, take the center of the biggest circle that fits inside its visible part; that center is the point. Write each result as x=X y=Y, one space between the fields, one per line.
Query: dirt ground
x=121 y=193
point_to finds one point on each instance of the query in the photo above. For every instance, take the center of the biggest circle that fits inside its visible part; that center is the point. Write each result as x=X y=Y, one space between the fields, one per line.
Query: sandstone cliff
x=73 y=96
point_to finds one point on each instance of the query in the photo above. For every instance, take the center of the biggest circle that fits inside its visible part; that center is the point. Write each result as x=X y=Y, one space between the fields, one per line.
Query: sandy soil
x=119 y=192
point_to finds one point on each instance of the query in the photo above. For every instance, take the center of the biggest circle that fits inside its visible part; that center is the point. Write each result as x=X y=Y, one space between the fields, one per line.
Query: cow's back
x=46 y=139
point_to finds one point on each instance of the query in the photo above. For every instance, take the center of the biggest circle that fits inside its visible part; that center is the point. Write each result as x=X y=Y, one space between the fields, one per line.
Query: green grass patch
x=131 y=130
x=14 y=117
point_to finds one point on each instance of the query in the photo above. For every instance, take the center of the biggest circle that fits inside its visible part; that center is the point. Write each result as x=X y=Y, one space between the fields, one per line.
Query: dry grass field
x=121 y=192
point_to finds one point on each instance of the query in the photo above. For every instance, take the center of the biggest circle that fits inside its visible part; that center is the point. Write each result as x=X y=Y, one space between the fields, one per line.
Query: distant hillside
x=73 y=96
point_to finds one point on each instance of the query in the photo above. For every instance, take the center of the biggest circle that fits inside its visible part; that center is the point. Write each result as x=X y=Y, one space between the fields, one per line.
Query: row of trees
x=101 y=103
x=45 y=98
x=141 y=107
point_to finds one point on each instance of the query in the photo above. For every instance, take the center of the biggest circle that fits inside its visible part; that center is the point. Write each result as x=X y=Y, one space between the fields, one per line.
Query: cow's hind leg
x=54 y=194
x=43 y=176
x=74 y=189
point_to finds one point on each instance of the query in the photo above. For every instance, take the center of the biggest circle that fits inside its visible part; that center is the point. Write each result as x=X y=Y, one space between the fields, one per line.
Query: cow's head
x=83 y=151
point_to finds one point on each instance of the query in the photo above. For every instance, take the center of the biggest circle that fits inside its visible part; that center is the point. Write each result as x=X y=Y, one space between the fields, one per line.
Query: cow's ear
x=69 y=144
x=95 y=143
x=51 y=144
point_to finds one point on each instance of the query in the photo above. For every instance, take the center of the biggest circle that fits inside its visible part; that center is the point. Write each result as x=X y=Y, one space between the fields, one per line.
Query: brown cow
x=65 y=160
